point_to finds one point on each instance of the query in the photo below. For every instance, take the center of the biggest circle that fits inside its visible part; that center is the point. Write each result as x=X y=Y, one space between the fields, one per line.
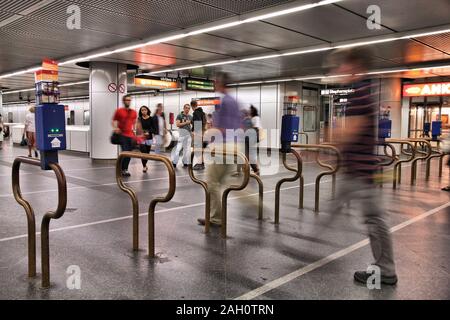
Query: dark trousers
x=126 y=144
x=145 y=149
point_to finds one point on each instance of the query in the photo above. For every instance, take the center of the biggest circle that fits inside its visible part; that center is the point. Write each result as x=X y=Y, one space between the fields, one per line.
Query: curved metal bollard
x=437 y=153
x=298 y=174
x=425 y=157
x=204 y=185
x=398 y=164
x=134 y=200
x=332 y=170
x=45 y=224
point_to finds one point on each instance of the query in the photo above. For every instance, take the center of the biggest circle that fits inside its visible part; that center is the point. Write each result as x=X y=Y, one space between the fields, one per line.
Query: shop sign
x=426 y=89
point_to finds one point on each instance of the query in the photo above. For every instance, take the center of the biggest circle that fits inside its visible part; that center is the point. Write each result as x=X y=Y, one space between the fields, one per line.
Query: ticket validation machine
x=50 y=132
x=436 y=129
x=384 y=128
x=289 y=131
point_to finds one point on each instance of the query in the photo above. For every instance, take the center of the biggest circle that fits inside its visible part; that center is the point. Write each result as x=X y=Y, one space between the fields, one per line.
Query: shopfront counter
x=77 y=136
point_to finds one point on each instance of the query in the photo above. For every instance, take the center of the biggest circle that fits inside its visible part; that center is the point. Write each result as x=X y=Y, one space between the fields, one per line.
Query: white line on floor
x=157 y=211
x=339 y=254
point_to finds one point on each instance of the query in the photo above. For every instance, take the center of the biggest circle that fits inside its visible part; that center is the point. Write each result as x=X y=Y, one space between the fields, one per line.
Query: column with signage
x=107 y=86
x=391 y=106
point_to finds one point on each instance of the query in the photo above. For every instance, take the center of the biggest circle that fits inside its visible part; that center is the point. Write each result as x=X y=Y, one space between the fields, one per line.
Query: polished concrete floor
x=302 y=258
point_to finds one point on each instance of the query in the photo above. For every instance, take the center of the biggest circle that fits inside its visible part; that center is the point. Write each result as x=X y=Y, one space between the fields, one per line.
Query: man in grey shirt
x=184 y=124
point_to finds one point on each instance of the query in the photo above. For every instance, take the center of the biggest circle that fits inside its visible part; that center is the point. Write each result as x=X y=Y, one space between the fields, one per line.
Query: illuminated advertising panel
x=426 y=89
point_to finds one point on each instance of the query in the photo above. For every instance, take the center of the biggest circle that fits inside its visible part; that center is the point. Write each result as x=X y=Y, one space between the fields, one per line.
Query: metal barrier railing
x=398 y=165
x=437 y=153
x=204 y=184
x=298 y=174
x=332 y=169
x=134 y=199
x=45 y=224
x=425 y=157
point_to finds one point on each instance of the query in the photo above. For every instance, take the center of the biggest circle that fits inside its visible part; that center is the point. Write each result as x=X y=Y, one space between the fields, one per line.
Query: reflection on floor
x=95 y=234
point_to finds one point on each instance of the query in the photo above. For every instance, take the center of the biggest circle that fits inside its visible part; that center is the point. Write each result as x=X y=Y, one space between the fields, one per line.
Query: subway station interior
x=342 y=193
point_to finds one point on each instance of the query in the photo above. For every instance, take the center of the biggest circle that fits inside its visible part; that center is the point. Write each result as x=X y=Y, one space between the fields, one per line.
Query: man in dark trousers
x=123 y=123
x=357 y=139
x=198 y=128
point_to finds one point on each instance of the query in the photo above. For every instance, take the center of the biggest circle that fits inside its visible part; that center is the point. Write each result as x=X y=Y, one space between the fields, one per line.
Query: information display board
x=200 y=84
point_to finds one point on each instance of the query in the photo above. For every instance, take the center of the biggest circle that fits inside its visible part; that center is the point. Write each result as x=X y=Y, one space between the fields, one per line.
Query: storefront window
x=309 y=118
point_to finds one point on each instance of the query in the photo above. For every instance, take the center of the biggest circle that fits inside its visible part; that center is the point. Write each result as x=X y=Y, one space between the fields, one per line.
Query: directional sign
x=56 y=143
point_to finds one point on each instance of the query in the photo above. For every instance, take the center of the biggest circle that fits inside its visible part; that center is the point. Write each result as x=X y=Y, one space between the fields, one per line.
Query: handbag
x=24 y=141
x=115 y=138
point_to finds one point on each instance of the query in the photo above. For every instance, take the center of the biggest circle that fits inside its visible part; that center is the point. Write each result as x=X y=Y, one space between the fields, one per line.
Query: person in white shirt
x=30 y=131
x=2 y=133
x=159 y=124
x=253 y=152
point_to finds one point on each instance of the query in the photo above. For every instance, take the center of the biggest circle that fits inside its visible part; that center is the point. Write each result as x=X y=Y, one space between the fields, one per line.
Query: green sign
x=200 y=84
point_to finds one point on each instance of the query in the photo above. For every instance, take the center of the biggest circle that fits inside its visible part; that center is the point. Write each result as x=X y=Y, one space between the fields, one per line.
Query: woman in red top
x=124 y=121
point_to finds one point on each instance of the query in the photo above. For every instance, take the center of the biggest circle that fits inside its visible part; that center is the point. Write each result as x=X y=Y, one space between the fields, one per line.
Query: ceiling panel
x=168 y=50
x=267 y=35
x=402 y=15
x=438 y=41
x=329 y=23
x=239 y=6
x=219 y=45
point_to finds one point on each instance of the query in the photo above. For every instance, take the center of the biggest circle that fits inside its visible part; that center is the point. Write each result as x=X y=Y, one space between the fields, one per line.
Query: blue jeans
x=126 y=144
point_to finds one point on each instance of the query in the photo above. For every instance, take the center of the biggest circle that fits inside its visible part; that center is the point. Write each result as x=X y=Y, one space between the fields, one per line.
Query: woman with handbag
x=145 y=129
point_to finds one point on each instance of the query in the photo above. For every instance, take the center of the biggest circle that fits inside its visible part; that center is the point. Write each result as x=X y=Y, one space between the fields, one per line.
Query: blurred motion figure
x=357 y=141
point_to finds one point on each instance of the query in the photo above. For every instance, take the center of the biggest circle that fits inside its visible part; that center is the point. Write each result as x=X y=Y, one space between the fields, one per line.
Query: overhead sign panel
x=200 y=84
x=426 y=89
x=156 y=82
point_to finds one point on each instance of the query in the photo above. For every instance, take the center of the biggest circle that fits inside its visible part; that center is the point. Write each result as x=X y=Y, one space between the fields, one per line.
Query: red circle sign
x=112 y=87
x=121 y=88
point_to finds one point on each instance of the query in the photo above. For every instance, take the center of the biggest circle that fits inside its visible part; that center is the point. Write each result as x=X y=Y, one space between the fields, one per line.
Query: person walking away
x=145 y=128
x=357 y=143
x=226 y=117
x=124 y=122
x=209 y=121
x=184 y=124
x=30 y=131
x=253 y=148
x=198 y=129
x=159 y=127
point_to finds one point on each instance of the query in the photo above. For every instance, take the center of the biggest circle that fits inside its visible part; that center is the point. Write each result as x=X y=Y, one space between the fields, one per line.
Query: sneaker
x=362 y=276
x=144 y=170
x=199 y=166
x=174 y=165
x=202 y=222
x=125 y=173
x=36 y=154
x=185 y=165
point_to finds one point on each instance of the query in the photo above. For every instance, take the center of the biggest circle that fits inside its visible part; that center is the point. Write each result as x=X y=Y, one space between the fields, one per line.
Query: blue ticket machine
x=289 y=131
x=384 y=128
x=50 y=132
x=436 y=129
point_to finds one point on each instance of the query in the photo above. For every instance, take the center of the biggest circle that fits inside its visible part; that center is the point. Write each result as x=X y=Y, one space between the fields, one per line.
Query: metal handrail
x=298 y=174
x=393 y=156
x=45 y=224
x=398 y=164
x=151 y=210
x=332 y=170
x=426 y=157
x=204 y=185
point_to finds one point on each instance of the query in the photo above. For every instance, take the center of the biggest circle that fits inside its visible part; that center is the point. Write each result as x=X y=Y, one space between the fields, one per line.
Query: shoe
x=125 y=173
x=199 y=166
x=36 y=154
x=144 y=170
x=174 y=165
x=447 y=188
x=362 y=276
x=185 y=165
x=202 y=222
x=236 y=174
x=30 y=156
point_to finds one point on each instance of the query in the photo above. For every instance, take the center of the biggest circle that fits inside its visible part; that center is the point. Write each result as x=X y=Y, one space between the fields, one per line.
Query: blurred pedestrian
x=145 y=128
x=30 y=131
x=198 y=130
x=160 y=128
x=184 y=125
x=357 y=143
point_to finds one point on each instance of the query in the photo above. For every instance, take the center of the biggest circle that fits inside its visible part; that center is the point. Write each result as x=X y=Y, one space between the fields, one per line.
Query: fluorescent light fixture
x=187 y=68
x=306 y=51
x=289 y=11
x=73 y=83
x=260 y=58
x=432 y=33
x=364 y=43
x=161 y=71
x=383 y=71
x=18 y=73
x=221 y=26
x=17 y=91
x=278 y=80
x=165 y=39
x=220 y=63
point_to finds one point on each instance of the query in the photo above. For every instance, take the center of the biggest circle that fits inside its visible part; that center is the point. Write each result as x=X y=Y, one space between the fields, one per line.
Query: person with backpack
x=198 y=129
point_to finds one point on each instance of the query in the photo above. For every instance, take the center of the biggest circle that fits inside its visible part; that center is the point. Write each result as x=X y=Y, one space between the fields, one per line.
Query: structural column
x=108 y=84
x=391 y=97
